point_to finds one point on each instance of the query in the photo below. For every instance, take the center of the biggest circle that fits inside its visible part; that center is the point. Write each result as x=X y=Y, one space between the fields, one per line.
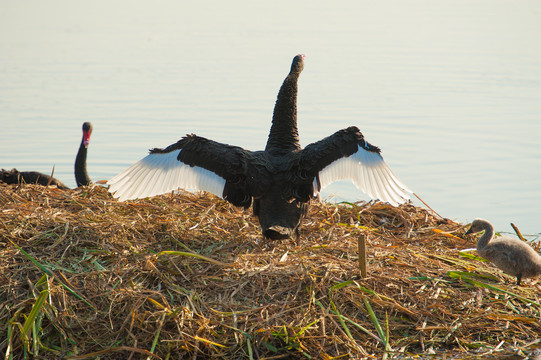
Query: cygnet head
x=477 y=225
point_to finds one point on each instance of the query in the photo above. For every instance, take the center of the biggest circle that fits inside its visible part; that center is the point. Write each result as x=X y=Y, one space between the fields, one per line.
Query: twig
x=417 y=196
x=51 y=178
x=362 y=254
x=519 y=234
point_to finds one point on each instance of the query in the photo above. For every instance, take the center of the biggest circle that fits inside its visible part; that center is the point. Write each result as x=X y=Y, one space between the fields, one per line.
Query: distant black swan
x=281 y=180
x=512 y=256
x=81 y=175
x=15 y=176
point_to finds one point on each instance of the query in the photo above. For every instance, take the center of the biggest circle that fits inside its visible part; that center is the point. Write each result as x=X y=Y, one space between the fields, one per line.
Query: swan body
x=512 y=256
x=279 y=181
x=15 y=176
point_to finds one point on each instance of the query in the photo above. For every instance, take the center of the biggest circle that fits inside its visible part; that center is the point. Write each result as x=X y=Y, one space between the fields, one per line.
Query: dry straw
x=83 y=276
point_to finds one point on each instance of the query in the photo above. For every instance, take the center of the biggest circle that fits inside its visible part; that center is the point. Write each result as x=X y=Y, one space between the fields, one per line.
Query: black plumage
x=279 y=181
x=81 y=174
x=15 y=176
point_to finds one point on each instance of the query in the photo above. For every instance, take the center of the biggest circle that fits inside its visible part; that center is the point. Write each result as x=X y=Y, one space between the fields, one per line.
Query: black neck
x=284 y=136
x=81 y=176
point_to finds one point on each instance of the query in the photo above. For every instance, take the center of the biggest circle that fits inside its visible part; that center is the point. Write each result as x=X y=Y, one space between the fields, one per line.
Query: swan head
x=279 y=217
x=478 y=225
x=87 y=131
x=298 y=64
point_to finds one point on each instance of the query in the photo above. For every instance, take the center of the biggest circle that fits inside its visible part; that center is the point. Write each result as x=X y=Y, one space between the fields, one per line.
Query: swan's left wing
x=194 y=164
x=346 y=155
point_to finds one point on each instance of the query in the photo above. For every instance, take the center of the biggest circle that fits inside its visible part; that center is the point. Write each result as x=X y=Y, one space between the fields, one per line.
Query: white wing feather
x=160 y=173
x=369 y=173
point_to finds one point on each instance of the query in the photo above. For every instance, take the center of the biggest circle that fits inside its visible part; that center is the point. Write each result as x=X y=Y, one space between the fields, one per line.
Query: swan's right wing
x=194 y=164
x=347 y=155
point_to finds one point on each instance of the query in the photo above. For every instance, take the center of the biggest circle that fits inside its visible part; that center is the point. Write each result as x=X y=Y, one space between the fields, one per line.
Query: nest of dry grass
x=189 y=276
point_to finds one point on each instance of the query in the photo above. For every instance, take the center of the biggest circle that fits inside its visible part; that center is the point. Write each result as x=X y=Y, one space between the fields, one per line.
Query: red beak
x=86 y=138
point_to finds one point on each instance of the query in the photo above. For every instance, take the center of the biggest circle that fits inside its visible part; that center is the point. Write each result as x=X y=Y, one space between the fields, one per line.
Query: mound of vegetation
x=189 y=276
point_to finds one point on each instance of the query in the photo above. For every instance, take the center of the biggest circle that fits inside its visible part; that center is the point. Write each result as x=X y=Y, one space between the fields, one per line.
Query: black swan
x=512 y=256
x=81 y=175
x=15 y=176
x=281 y=180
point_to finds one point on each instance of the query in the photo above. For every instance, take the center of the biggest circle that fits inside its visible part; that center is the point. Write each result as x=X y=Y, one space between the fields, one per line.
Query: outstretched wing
x=193 y=163
x=346 y=155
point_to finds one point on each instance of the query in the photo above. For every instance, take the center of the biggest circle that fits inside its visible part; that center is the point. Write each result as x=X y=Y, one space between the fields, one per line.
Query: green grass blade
x=464 y=277
x=249 y=345
x=421 y=278
x=349 y=282
x=157 y=336
x=341 y=319
x=469 y=255
x=340 y=285
x=457 y=274
x=382 y=338
x=387 y=335
x=36 y=309
x=78 y=296
x=374 y=319
x=44 y=269
x=305 y=328
x=48 y=272
x=376 y=323
x=340 y=316
x=36 y=325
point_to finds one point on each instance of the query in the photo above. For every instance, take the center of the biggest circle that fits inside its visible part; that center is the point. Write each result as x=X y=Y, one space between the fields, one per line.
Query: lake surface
x=449 y=90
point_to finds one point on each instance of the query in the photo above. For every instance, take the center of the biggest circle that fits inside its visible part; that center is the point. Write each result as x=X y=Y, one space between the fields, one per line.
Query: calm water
x=450 y=90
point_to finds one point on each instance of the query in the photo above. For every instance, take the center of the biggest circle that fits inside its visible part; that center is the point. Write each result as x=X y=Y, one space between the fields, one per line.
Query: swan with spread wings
x=278 y=181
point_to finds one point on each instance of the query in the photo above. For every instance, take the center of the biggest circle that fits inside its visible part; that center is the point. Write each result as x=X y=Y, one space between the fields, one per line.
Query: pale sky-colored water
x=449 y=90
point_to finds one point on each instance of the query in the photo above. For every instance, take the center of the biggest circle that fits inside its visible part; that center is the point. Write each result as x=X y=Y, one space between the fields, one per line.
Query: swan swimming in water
x=279 y=181
x=512 y=256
